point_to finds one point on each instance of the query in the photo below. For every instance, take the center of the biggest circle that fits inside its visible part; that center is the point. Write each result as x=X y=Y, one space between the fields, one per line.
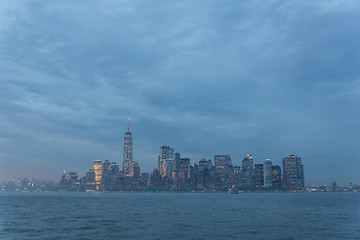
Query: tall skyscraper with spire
x=128 y=153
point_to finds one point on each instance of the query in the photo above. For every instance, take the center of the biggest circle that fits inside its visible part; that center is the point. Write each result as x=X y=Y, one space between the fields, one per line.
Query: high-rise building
x=106 y=178
x=203 y=163
x=106 y=168
x=90 y=176
x=135 y=170
x=73 y=181
x=276 y=176
x=247 y=168
x=155 y=180
x=114 y=169
x=203 y=172
x=293 y=173
x=248 y=163
x=259 y=175
x=175 y=173
x=224 y=171
x=268 y=178
x=90 y=180
x=237 y=177
x=222 y=162
x=111 y=173
x=98 y=169
x=166 y=161
x=223 y=166
x=184 y=171
x=128 y=153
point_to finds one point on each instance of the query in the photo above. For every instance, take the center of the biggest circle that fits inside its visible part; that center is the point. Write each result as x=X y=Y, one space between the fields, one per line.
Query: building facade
x=276 y=176
x=259 y=175
x=248 y=168
x=98 y=169
x=268 y=179
x=293 y=173
x=166 y=162
x=222 y=163
x=128 y=154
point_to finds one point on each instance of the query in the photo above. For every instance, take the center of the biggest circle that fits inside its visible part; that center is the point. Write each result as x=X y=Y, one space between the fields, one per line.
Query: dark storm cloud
x=268 y=78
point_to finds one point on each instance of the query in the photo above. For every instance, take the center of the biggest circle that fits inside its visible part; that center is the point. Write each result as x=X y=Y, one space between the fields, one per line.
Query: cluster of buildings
x=30 y=185
x=175 y=173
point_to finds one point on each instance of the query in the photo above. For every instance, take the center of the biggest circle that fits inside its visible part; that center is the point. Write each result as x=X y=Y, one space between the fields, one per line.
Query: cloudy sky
x=267 y=78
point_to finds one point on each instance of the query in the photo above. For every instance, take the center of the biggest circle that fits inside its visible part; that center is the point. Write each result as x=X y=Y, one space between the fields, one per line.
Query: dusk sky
x=267 y=78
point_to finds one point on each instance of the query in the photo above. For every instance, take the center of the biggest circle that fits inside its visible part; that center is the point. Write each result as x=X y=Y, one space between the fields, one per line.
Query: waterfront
x=179 y=215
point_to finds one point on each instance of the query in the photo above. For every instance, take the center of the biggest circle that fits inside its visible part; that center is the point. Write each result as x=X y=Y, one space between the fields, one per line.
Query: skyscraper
x=128 y=153
x=276 y=176
x=248 y=163
x=259 y=175
x=204 y=170
x=222 y=162
x=106 y=174
x=203 y=163
x=89 y=180
x=224 y=167
x=247 y=168
x=184 y=171
x=135 y=170
x=293 y=173
x=268 y=179
x=166 y=161
x=98 y=169
x=175 y=174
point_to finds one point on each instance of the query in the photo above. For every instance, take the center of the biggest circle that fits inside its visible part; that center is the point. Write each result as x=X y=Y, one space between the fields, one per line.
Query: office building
x=248 y=168
x=293 y=173
x=268 y=179
x=276 y=176
x=259 y=175
x=222 y=162
x=166 y=161
x=184 y=171
x=135 y=170
x=98 y=169
x=203 y=163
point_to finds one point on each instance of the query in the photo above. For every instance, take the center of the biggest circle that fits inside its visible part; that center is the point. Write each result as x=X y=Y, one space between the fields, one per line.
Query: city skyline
x=177 y=174
x=266 y=79
x=128 y=159
x=169 y=163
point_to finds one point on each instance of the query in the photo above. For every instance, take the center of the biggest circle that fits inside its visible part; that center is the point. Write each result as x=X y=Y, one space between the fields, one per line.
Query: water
x=179 y=216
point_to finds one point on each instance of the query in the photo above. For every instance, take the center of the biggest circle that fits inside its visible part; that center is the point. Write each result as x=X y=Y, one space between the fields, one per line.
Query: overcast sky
x=267 y=78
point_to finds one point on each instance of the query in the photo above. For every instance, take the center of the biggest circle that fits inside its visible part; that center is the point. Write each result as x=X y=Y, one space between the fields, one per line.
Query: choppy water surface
x=179 y=216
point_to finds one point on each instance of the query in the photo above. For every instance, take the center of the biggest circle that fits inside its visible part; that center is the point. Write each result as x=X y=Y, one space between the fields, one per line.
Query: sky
x=266 y=78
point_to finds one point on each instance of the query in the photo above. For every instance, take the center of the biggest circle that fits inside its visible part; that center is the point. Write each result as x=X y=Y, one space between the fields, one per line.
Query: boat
x=233 y=190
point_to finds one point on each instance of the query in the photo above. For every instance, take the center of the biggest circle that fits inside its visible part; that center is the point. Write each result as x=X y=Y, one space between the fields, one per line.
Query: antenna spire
x=128 y=125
